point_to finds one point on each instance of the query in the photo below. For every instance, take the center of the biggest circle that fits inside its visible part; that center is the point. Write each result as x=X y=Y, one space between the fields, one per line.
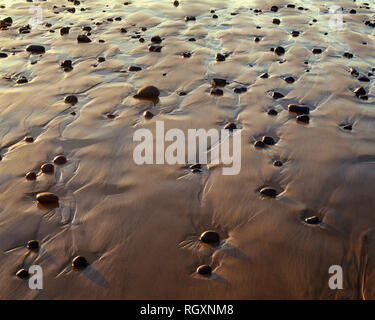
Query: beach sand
x=138 y=226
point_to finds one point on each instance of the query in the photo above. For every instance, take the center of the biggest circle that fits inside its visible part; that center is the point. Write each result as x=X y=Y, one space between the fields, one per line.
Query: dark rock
x=274 y=8
x=259 y=144
x=264 y=76
x=240 y=90
x=279 y=51
x=277 y=95
x=303 y=118
x=360 y=91
x=156 y=39
x=32 y=245
x=217 y=82
x=29 y=139
x=79 y=263
x=148 y=115
x=348 y=127
x=219 y=57
x=71 y=100
x=317 y=51
x=313 y=220
x=47 y=168
x=215 y=16
x=291 y=6
x=230 y=126
x=289 y=80
x=298 y=108
x=135 y=69
x=272 y=112
x=276 y=21
x=64 y=30
x=47 y=198
x=83 y=39
x=295 y=33
x=23 y=274
x=67 y=65
x=268 y=192
x=217 y=92
x=154 y=48
x=36 y=49
x=3 y=55
x=348 y=55
x=196 y=166
x=22 y=80
x=176 y=3
x=278 y=163
x=268 y=141
x=24 y=29
x=189 y=18
x=148 y=93
x=60 y=159
x=101 y=59
x=353 y=72
x=363 y=79
x=31 y=176
x=204 y=270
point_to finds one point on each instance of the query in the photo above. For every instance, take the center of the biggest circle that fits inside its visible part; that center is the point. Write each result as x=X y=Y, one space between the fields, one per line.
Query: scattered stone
x=279 y=51
x=204 y=270
x=189 y=18
x=230 y=126
x=3 y=55
x=32 y=245
x=156 y=39
x=303 y=118
x=360 y=91
x=186 y=54
x=79 y=263
x=31 y=176
x=240 y=90
x=71 y=100
x=317 y=51
x=148 y=93
x=276 y=21
x=60 y=159
x=268 y=192
x=272 y=112
x=348 y=55
x=22 y=80
x=313 y=220
x=274 y=8
x=278 y=163
x=67 y=65
x=196 y=166
x=257 y=39
x=259 y=144
x=101 y=59
x=135 y=69
x=24 y=29
x=268 y=141
x=289 y=80
x=277 y=95
x=217 y=82
x=219 y=57
x=36 y=49
x=47 y=168
x=363 y=79
x=264 y=76
x=29 y=139
x=348 y=127
x=64 y=30
x=23 y=274
x=47 y=198
x=154 y=48
x=217 y=92
x=148 y=115
x=295 y=33
x=298 y=108
x=83 y=39
x=354 y=72
x=176 y=3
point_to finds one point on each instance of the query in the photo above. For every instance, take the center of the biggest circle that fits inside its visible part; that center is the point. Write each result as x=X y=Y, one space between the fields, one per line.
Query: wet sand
x=139 y=226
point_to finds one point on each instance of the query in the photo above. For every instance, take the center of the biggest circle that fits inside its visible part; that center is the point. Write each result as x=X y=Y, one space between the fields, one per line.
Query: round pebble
x=79 y=263
x=31 y=176
x=148 y=93
x=268 y=141
x=313 y=220
x=204 y=270
x=209 y=237
x=148 y=115
x=268 y=192
x=71 y=100
x=47 y=168
x=277 y=163
x=60 y=159
x=22 y=274
x=32 y=245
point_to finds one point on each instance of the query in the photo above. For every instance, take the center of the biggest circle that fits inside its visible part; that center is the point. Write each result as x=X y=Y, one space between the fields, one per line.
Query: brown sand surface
x=139 y=226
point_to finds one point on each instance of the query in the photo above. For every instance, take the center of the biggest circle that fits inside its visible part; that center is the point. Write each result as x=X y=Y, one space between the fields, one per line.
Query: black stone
x=60 y=159
x=268 y=192
x=204 y=270
x=297 y=108
x=36 y=49
x=47 y=198
x=32 y=245
x=317 y=51
x=217 y=82
x=230 y=126
x=135 y=69
x=83 y=39
x=303 y=118
x=79 y=263
x=29 y=139
x=313 y=220
x=277 y=163
x=272 y=112
x=259 y=144
x=360 y=91
x=268 y=140
x=219 y=57
x=23 y=274
x=277 y=95
x=156 y=39
x=279 y=51
x=217 y=92
x=289 y=80
x=31 y=176
x=47 y=168
x=148 y=115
